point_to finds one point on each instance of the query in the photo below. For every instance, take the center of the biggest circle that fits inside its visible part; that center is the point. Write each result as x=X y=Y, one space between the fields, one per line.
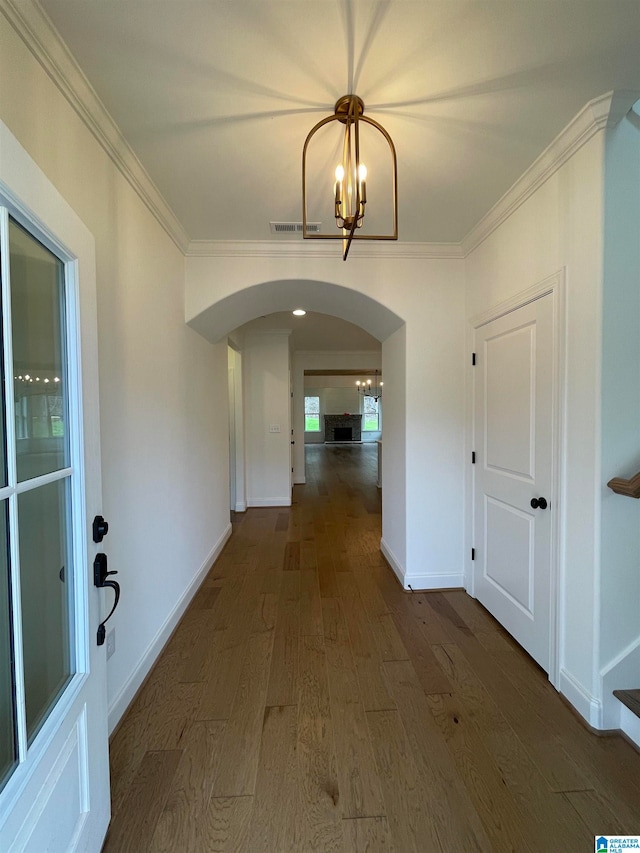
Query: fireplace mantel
x=333 y=422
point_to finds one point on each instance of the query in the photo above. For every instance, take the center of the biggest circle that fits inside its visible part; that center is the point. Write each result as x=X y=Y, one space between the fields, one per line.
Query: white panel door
x=54 y=772
x=514 y=443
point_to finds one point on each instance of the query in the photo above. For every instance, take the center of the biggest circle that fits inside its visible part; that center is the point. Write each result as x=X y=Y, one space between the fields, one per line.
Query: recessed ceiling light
x=299 y=312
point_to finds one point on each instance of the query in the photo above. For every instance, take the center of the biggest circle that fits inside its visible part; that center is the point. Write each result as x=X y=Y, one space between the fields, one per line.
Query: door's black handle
x=539 y=503
x=100 y=575
x=293 y=442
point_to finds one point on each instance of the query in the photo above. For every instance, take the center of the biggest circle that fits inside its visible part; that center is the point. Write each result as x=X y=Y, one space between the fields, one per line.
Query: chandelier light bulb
x=340 y=173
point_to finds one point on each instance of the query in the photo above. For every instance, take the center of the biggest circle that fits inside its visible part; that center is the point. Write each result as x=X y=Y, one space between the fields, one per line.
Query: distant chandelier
x=369 y=389
x=350 y=187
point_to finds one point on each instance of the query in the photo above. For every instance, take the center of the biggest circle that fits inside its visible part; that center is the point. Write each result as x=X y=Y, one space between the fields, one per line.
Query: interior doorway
x=516 y=488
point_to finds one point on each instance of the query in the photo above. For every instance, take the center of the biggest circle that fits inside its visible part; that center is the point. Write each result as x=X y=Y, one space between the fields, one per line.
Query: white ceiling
x=316 y=331
x=216 y=98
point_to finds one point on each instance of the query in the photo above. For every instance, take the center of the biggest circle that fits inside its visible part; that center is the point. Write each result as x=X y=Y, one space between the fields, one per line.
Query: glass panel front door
x=46 y=599
x=37 y=320
x=37 y=595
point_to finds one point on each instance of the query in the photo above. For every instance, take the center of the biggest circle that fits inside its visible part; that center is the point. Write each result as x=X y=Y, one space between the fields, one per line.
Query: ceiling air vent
x=294 y=227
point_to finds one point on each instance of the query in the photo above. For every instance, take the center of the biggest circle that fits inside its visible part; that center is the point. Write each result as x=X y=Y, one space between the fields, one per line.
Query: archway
x=218 y=319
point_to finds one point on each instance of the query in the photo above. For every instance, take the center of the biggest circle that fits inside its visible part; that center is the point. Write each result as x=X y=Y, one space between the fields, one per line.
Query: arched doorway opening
x=218 y=321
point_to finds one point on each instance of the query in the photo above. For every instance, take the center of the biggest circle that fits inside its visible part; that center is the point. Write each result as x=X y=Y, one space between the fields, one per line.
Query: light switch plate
x=274 y=428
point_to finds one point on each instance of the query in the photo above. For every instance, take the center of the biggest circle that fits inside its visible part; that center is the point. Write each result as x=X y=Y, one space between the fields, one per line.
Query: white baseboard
x=269 y=501
x=299 y=481
x=241 y=506
x=124 y=698
x=393 y=561
x=421 y=582
x=585 y=704
x=630 y=724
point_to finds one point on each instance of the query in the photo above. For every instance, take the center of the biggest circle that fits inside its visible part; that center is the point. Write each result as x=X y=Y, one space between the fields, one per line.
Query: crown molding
x=320 y=249
x=40 y=36
x=38 y=33
x=598 y=114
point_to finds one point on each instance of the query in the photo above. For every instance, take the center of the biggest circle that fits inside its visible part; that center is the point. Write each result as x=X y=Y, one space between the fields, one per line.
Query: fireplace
x=343 y=433
x=343 y=427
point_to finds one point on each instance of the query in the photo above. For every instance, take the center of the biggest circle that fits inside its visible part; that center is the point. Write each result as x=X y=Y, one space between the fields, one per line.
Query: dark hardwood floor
x=306 y=703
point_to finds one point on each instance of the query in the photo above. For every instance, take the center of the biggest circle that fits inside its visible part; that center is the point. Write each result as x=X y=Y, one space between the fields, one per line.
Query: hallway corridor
x=306 y=703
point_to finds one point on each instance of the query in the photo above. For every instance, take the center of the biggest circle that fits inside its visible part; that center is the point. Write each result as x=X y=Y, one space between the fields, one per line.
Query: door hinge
x=473 y=553
x=473 y=457
x=473 y=359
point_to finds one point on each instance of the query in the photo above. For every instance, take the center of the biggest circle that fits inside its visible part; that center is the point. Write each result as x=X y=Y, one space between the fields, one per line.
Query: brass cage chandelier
x=350 y=187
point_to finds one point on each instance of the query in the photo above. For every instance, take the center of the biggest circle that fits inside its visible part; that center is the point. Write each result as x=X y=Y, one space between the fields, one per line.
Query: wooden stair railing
x=629 y=488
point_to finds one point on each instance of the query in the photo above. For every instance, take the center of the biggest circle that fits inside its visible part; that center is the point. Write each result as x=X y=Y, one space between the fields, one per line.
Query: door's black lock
x=100 y=528
x=100 y=576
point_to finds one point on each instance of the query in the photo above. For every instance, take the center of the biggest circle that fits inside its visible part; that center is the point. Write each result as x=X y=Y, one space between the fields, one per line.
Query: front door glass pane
x=46 y=598
x=37 y=309
x=8 y=750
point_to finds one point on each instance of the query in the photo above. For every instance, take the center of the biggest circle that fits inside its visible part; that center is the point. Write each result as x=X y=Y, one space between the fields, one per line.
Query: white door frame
x=554 y=285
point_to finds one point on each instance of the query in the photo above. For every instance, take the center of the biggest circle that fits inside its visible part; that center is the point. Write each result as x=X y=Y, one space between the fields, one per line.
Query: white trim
x=131 y=686
x=37 y=31
x=626 y=653
x=393 y=561
x=241 y=506
x=319 y=249
x=300 y=481
x=269 y=501
x=524 y=297
x=584 y=703
x=621 y=673
x=630 y=724
x=605 y=111
x=421 y=582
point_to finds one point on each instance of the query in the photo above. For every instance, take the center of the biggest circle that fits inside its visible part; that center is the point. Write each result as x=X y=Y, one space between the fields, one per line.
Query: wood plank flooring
x=306 y=703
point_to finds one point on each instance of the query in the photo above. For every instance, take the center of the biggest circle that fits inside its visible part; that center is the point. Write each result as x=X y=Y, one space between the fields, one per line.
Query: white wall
x=619 y=657
x=560 y=225
x=267 y=406
x=378 y=293
x=236 y=422
x=396 y=468
x=163 y=388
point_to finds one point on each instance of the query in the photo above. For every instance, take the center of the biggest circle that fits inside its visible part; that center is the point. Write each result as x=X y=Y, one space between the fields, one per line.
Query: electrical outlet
x=111 y=642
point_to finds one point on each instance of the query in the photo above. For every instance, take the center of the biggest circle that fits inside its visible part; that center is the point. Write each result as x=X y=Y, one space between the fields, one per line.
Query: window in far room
x=312 y=414
x=370 y=414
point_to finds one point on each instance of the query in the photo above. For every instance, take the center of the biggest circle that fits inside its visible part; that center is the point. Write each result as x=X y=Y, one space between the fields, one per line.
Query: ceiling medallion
x=350 y=186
